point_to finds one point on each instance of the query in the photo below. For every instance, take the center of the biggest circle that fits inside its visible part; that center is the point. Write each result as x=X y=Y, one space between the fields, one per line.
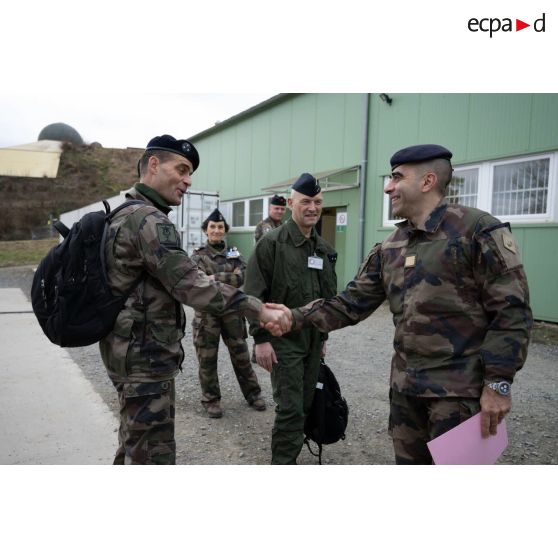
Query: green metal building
x=505 y=150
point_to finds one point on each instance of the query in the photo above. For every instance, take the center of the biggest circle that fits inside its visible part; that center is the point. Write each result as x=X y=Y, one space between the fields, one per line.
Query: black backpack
x=70 y=294
x=327 y=420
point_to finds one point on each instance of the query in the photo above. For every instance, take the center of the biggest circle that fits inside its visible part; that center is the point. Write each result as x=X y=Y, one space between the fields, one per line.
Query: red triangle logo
x=519 y=25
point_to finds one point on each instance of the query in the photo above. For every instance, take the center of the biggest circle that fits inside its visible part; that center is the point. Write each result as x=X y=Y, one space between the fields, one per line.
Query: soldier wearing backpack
x=143 y=352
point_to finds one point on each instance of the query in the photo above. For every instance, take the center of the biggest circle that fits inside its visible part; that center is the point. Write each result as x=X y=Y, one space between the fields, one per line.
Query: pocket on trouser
x=147 y=422
x=449 y=412
x=407 y=427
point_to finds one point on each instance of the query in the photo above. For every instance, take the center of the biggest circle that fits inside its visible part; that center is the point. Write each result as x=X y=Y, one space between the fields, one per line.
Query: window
x=464 y=187
x=247 y=213
x=256 y=212
x=519 y=190
x=238 y=214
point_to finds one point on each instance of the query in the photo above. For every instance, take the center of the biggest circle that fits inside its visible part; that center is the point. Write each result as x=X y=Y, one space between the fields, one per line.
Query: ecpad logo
x=494 y=24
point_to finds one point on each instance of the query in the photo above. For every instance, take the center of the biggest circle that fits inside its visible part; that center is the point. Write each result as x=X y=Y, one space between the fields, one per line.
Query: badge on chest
x=410 y=261
x=315 y=263
x=232 y=253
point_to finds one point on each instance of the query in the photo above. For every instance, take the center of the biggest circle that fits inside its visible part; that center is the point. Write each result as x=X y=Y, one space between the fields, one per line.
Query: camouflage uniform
x=227 y=266
x=264 y=227
x=278 y=272
x=460 y=305
x=143 y=353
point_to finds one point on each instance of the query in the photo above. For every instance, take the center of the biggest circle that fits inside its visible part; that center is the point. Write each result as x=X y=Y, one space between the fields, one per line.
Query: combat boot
x=213 y=409
x=258 y=403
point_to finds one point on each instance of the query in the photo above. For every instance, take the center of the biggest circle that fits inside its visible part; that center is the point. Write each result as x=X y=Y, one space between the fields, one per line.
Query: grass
x=24 y=252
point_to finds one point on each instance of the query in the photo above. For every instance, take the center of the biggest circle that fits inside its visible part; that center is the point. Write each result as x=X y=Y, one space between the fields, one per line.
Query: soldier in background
x=458 y=293
x=292 y=265
x=276 y=212
x=143 y=353
x=227 y=266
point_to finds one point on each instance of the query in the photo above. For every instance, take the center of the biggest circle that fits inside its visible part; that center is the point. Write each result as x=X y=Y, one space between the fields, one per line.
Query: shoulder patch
x=502 y=243
x=167 y=235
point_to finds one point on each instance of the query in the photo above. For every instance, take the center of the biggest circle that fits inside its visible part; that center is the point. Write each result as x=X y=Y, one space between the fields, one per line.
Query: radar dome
x=60 y=132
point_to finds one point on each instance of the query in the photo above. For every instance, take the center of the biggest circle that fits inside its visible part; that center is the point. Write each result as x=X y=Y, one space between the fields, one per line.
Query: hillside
x=86 y=174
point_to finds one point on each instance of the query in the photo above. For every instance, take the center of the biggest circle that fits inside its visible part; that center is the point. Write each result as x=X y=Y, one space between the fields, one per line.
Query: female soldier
x=227 y=266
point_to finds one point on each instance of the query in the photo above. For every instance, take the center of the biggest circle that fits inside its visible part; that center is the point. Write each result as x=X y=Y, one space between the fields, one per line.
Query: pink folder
x=464 y=445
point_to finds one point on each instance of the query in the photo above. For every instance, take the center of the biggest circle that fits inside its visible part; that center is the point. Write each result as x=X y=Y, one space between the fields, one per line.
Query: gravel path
x=360 y=356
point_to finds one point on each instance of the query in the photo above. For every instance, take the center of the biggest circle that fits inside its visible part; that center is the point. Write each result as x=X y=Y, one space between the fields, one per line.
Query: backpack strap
x=61 y=228
x=319 y=454
x=109 y=217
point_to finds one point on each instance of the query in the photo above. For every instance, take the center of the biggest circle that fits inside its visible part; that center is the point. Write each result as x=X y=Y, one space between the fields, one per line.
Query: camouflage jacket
x=459 y=298
x=278 y=271
x=225 y=264
x=264 y=227
x=143 y=248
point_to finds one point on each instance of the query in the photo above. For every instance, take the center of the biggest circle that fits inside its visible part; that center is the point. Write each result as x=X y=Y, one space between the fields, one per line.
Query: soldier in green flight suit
x=291 y=265
x=227 y=266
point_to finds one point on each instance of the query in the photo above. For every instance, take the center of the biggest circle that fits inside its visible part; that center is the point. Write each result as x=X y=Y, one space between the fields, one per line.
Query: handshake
x=276 y=318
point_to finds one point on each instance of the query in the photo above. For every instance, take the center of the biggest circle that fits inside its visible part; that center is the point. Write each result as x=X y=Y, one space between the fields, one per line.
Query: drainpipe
x=362 y=179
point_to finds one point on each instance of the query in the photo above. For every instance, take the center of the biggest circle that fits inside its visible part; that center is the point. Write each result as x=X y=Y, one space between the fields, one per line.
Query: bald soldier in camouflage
x=460 y=302
x=227 y=266
x=143 y=353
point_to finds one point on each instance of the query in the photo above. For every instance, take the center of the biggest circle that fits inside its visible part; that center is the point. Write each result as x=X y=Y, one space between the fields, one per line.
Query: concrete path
x=49 y=412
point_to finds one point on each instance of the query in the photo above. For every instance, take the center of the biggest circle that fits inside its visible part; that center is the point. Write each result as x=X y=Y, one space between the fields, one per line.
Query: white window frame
x=484 y=194
x=226 y=208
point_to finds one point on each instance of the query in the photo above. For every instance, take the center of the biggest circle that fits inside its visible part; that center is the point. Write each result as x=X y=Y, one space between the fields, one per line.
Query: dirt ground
x=360 y=357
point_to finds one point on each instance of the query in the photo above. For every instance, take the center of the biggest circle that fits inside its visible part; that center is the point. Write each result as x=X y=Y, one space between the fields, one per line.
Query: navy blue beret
x=307 y=185
x=181 y=147
x=419 y=153
x=278 y=200
x=216 y=216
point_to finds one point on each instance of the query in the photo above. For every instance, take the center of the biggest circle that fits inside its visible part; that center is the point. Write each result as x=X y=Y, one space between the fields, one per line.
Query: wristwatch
x=503 y=388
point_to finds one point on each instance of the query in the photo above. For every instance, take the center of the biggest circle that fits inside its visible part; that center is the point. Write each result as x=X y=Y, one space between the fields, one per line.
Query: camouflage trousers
x=414 y=421
x=293 y=380
x=146 y=434
x=207 y=331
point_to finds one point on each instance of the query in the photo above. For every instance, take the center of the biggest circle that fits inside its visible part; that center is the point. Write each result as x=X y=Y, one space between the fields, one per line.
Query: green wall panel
x=280 y=147
x=538 y=246
x=498 y=124
x=261 y=133
x=302 y=135
x=544 y=122
x=244 y=155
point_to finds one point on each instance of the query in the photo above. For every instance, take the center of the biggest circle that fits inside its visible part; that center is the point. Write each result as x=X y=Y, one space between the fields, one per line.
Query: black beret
x=216 y=216
x=307 y=185
x=419 y=153
x=278 y=200
x=181 y=147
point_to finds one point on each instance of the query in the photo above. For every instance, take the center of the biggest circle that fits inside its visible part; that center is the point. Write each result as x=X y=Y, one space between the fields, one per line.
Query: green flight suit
x=278 y=271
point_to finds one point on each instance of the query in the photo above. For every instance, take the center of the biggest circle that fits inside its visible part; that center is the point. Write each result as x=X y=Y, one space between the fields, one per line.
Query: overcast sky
x=128 y=119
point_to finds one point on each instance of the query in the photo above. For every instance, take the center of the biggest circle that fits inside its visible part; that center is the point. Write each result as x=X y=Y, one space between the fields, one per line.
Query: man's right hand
x=265 y=356
x=284 y=324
